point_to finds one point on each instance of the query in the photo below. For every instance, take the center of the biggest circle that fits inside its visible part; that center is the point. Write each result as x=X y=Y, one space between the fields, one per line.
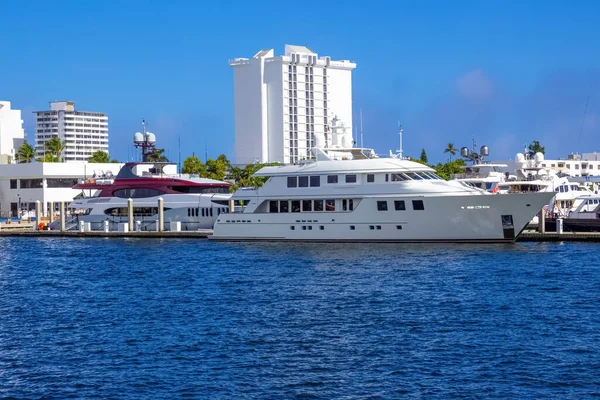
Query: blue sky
x=505 y=73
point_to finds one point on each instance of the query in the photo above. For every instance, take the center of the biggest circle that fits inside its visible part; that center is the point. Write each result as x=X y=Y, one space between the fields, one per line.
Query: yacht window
x=303 y=181
x=423 y=175
x=399 y=205
x=382 y=206
x=418 y=205
x=315 y=181
x=350 y=178
x=387 y=177
x=414 y=176
x=318 y=205
x=211 y=212
x=370 y=178
x=200 y=189
x=284 y=206
x=295 y=205
x=398 y=178
x=292 y=181
x=332 y=179
x=189 y=212
x=347 y=205
x=137 y=193
x=137 y=211
x=330 y=205
x=306 y=205
x=273 y=206
x=203 y=212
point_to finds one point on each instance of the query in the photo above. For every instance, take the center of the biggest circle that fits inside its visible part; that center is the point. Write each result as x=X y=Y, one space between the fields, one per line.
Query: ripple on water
x=183 y=318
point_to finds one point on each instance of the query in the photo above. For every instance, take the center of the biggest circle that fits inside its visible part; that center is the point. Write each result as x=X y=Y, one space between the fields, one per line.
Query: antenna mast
x=145 y=140
x=400 y=132
x=361 y=131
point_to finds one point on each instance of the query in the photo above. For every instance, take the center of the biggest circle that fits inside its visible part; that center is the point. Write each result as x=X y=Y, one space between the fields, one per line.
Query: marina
x=401 y=203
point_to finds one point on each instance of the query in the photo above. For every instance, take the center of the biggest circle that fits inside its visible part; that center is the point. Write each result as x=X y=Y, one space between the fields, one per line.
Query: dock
x=199 y=234
x=28 y=230
x=532 y=236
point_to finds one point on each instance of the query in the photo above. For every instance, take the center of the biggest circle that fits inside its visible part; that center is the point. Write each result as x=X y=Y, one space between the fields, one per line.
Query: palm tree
x=99 y=157
x=450 y=149
x=55 y=147
x=25 y=153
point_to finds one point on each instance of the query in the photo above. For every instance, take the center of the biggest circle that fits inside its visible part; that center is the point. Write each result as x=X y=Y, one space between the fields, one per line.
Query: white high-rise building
x=282 y=102
x=83 y=132
x=11 y=133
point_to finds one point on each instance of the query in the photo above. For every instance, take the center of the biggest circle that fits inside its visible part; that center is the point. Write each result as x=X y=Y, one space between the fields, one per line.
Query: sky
x=502 y=73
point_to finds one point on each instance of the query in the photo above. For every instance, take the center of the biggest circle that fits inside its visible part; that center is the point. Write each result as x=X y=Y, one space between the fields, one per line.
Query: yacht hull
x=457 y=218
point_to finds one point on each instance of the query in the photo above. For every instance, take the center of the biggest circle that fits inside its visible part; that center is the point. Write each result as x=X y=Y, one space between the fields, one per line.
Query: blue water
x=131 y=318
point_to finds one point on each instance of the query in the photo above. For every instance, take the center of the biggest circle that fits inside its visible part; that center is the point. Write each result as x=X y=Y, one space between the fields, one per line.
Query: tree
x=450 y=149
x=217 y=169
x=54 y=147
x=114 y=161
x=193 y=165
x=449 y=168
x=536 y=147
x=26 y=153
x=244 y=177
x=99 y=157
x=157 y=155
x=424 y=156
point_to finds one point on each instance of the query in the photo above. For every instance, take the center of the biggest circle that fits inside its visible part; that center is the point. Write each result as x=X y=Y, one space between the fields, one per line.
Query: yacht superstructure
x=350 y=195
x=480 y=174
x=532 y=176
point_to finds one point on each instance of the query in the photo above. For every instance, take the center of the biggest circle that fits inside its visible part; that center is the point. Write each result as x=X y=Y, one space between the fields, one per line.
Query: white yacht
x=585 y=207
x=194 y=202
x=350 y=195
x=531 y=176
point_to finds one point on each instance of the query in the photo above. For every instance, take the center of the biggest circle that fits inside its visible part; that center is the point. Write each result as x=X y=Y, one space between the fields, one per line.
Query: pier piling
x=130 y=214
x=38 y=214
x=161 y=215
x=63 y=216
x=542 y=222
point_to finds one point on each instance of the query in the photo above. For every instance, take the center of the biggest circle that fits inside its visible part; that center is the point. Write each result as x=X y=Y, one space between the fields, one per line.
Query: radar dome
x=346 y=141
x=138 y=137
x=150 y=137
x=484 y=151
x=319 y=141
x=464 y=152
x=539 y=157
x=520 y=157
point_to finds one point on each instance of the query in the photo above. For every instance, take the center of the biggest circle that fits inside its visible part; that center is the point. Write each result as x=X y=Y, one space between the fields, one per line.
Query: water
x=131 y=318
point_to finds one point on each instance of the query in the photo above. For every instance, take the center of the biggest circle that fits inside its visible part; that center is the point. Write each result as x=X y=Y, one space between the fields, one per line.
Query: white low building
x=11 y=133
x=21 y=185
x=586 y=164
